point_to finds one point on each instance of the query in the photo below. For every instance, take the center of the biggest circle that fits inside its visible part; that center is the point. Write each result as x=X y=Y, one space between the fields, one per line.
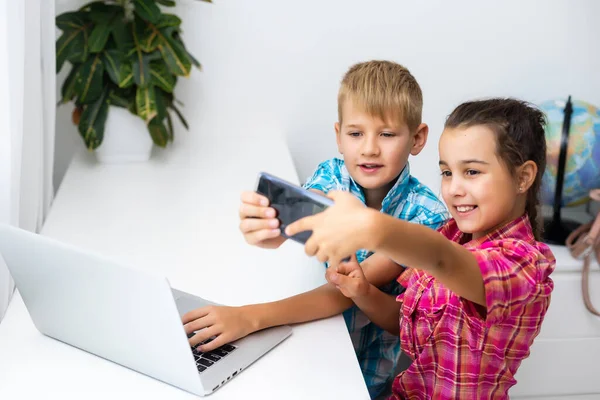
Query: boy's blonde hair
x=384 y=89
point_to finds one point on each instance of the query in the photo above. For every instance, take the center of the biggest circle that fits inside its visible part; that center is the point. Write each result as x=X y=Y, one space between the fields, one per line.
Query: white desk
x=177 y=215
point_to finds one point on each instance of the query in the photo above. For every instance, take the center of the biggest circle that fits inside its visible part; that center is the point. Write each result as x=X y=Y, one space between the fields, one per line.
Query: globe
x=582 y=169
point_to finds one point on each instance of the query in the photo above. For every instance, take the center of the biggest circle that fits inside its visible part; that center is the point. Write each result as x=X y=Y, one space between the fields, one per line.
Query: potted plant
x=125 y=56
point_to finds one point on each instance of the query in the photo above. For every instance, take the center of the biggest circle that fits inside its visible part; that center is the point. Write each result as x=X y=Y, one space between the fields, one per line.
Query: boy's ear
x=420 y=139
x=337 y=137
x=526 y=176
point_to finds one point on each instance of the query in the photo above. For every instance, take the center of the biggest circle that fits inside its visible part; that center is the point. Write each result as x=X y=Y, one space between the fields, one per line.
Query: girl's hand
x=226 y=323
x=349 y=278
x=337 y=232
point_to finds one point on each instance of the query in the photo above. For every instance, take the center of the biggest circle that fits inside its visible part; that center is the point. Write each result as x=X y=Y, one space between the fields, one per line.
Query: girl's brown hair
x=519 y=128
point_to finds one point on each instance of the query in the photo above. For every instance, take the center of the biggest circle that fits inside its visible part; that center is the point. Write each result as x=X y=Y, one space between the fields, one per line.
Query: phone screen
x=291 y=203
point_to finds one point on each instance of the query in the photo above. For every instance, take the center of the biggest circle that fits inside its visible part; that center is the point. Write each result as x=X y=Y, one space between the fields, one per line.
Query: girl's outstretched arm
x=415 y=245
x=348 y=226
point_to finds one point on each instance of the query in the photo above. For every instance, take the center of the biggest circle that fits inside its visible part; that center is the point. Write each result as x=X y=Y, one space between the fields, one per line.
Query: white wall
x=274 y=66
x=67 y=138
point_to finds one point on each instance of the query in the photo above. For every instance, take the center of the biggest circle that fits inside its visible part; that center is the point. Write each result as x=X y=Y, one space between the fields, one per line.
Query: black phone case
x=291 y=202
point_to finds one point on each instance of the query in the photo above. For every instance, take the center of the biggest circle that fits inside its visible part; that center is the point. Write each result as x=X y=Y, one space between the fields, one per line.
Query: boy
x=379 y=126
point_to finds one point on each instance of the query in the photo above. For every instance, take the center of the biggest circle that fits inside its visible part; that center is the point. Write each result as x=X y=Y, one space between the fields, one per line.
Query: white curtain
x=27 y=115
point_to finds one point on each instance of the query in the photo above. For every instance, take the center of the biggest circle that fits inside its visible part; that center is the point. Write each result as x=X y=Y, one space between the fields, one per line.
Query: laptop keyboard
x=208 y=359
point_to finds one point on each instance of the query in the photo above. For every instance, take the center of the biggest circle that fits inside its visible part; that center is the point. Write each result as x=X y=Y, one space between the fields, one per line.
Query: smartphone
x=291 y=202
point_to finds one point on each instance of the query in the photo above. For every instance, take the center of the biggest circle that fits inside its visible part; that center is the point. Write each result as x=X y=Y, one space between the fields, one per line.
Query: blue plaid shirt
x=377 y=350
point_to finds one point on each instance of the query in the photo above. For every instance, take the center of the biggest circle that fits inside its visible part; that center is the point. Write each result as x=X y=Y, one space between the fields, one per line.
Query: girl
x=477 y=290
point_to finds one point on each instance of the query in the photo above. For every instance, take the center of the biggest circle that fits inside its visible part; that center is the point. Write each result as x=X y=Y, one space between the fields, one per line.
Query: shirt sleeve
x=435 y=218
x=324 y=178
x=510 y=278
x=432 y=213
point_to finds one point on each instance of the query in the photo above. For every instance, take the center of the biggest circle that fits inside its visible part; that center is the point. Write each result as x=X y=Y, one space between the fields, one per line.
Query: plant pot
x=126 y=138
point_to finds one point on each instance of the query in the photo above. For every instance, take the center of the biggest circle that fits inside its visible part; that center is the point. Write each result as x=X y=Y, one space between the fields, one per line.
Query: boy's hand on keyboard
x=226 y=323
x=349 y=278
x=258 y=221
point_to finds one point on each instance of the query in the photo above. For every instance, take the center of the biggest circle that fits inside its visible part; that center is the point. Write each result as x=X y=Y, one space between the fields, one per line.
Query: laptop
x=127 y=316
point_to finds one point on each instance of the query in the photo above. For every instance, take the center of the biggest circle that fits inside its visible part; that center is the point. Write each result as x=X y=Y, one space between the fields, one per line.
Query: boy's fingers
x=252 y=211
x=213 y=344
x=204 y=334
x=341 y=280
x=195 y=314
x=254 y=198
x=196 y=325
x=262 y=235
x=347 y=266
x=255 y=224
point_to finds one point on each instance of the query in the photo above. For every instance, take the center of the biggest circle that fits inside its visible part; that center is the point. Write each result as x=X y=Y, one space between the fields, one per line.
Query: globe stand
x=555 y=229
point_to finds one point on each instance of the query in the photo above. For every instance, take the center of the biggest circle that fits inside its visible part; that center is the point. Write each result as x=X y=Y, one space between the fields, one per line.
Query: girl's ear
x=526 y=174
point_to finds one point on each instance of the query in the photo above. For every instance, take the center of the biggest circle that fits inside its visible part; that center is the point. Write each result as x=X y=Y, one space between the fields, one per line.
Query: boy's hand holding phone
x=258 y=221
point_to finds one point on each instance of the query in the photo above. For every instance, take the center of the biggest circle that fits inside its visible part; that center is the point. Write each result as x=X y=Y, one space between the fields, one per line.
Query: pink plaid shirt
x=457 y=353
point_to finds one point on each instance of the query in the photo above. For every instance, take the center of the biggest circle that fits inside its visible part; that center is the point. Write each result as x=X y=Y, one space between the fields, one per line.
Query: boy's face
x=375 y=151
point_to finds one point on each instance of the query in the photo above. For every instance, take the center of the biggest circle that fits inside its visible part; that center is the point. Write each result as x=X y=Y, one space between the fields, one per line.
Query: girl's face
x=477 y=186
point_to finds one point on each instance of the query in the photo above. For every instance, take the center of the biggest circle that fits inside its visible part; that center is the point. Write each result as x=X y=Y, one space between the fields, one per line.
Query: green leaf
x=87 y=6
x=89 y=84
x=102 y=13
x=123 y=37
x=147 y=38
x=71 y=20
x=161 y=77
x=72 y=46
x=183 y=121
x=119 y=72
x=167 y=3
x=192 y=58
x=126 y=75
x=123 y=98
x=147 y=10
x=141 y=63
x=145 y=101
x=158 y=132
x=93 y=119
x=116 y=100
x=168 y=20
x=141 y=69
x=174 y=55
x=170 y=127
x=68 y=91
x=161 y=105
x=112 y=64
x=155 y=55
x=99 y=37
x=194 y=61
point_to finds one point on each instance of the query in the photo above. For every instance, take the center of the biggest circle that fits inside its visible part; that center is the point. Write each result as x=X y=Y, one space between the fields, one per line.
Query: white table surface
x=177 y=215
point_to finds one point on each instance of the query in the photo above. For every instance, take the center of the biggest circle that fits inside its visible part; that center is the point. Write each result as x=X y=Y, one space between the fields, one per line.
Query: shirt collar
x=519 y=228
x=395 y=193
